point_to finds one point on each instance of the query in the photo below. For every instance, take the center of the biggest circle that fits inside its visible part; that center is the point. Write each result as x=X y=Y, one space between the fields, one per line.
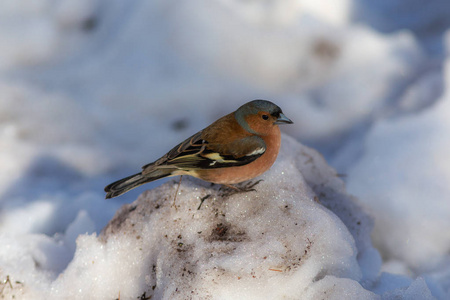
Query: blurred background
x=91 y=90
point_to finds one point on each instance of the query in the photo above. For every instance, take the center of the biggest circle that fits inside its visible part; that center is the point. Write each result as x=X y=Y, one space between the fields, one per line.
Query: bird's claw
x=229 y=190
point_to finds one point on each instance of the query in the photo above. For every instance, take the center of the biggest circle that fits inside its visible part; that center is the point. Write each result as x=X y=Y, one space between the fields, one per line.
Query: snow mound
x=276 y=242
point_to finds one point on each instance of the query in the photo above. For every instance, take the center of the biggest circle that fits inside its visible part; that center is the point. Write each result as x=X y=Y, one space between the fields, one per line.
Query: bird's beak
x=282 y=119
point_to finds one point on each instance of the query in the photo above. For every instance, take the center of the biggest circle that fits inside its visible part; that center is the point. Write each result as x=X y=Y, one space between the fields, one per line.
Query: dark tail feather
x=124 y=185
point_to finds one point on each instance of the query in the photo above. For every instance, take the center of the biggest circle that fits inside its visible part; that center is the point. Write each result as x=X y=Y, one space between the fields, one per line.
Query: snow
x=92 y=90
x=412 y=151
x=276 y=242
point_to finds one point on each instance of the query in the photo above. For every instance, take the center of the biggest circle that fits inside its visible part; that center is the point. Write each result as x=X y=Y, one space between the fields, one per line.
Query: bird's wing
x=197 y=153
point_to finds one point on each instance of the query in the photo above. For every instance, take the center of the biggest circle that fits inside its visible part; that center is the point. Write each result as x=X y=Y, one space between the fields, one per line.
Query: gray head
x=263 y=112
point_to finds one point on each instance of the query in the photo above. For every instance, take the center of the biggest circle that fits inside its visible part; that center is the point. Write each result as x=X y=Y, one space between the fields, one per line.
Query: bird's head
x=260 y=117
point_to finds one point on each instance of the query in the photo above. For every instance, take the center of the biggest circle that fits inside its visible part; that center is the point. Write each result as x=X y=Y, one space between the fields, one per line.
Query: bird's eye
x=265 y=117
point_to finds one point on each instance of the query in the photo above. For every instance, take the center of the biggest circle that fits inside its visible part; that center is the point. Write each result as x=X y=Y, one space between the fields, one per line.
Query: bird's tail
x=124 y=185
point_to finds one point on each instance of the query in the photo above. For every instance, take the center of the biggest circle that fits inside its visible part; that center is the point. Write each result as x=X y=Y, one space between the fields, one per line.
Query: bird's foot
x=228 y=190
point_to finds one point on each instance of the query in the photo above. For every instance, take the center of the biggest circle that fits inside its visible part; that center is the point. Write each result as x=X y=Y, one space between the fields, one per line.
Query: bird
x=236 y=148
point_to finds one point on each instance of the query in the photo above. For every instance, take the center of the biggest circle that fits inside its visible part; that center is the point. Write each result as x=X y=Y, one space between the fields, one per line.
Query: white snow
x=274 y=243
x=405 y=167
x=92 y=90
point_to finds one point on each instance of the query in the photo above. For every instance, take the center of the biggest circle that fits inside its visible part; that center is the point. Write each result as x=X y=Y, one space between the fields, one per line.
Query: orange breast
x=234 y=175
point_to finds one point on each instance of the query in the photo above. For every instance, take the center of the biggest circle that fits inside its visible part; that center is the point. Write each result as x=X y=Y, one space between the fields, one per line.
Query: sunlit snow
x=92 y=90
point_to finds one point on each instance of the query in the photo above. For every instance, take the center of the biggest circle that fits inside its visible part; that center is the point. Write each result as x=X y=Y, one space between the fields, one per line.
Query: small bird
x=237 y=147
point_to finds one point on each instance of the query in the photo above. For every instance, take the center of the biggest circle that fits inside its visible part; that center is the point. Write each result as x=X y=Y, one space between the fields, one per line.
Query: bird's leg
x=232 y=187
x=247 y=187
